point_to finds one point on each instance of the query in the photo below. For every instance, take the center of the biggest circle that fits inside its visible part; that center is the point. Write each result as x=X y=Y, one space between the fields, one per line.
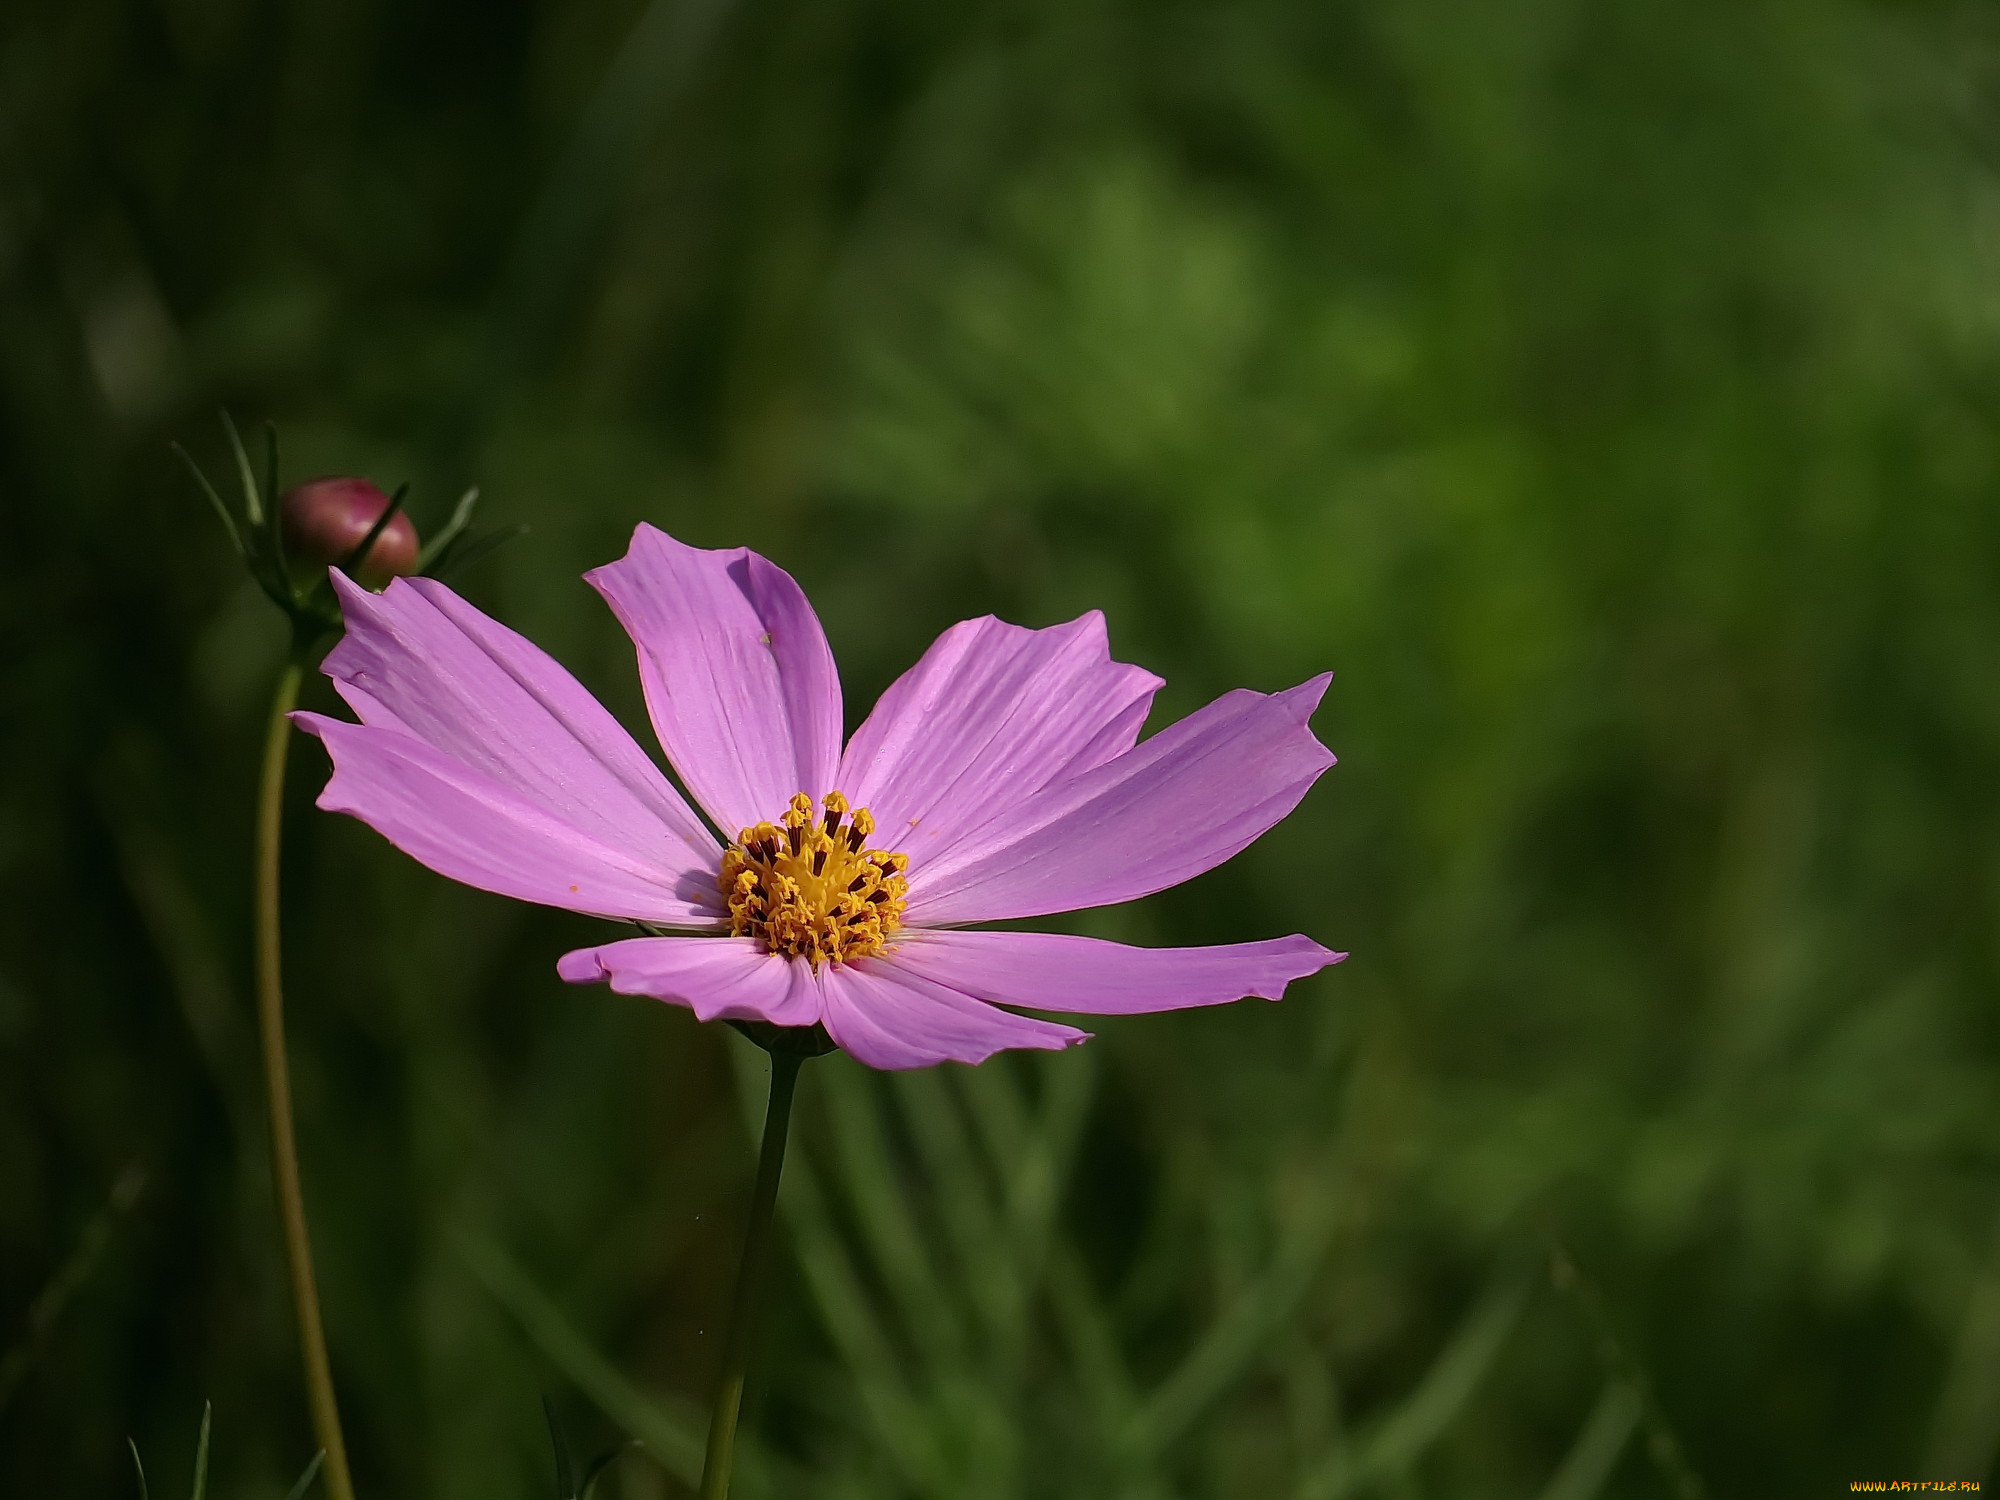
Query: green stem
x=749 y=1277
x=278 y=1089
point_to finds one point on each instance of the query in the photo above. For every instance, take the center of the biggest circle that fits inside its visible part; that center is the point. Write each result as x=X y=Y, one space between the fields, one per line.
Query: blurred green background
x=1610 y=393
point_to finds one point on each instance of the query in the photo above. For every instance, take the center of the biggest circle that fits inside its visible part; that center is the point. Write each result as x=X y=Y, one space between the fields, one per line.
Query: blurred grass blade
x=845 y=1307
x=1595 y=1453
x=959 y=1183
x=885 y=1216
x=849 y=1317
x=1663 y=1445
x=1033 y=1157
x=1039 y=1174
x=137 y=1467
x=566 y=1486
x=49 y=1304
x=1313 y=1404
x=1965 y=1428
x=953 y=1291
x=1236 y=1341
x=304 y=1481
x=1087 y=1331
x=675 y=1439
x=1395 y=1442
x=658 y=59
x=598 y=1465
x=136 y=809
x=201 y=1453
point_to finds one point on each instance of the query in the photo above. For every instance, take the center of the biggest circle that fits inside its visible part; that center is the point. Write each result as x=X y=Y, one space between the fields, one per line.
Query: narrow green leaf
x=298 y=1490
x=201 y=1453
x=138 y=1468
x=468 y=550
x=258 y=540
x=253 y=505
x=271 y=499
x=355 y=558
x=228 y=521
x=461 y=517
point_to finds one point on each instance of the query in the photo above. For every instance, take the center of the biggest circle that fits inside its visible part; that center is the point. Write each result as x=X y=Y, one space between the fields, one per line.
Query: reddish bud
x=326 y=519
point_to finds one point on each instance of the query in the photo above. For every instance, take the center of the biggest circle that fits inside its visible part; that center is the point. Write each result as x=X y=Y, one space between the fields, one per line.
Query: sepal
x=256 y=529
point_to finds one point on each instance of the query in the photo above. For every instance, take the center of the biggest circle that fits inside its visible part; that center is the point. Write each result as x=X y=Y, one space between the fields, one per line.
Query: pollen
x=808 y=886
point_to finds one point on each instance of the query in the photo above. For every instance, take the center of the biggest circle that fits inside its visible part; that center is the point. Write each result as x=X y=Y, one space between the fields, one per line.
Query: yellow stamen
x=808 y=887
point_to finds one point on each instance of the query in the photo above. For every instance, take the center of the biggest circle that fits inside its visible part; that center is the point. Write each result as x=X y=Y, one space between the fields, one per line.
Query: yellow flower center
x=807 y=887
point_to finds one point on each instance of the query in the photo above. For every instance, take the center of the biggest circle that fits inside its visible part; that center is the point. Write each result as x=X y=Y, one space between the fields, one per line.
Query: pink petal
x=1051 y=971
x=890 y=1018
x=468 y=827
x=1163 y=812
x=738 y=676
x=719 y=979
x=419 y=660
x=992 y=713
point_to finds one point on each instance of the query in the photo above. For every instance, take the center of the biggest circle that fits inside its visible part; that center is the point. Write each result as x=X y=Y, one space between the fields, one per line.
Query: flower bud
x=324 y=520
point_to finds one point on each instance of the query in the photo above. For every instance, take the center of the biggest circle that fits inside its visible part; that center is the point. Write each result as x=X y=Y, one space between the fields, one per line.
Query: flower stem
x=749 y=1276
x=278 y=1089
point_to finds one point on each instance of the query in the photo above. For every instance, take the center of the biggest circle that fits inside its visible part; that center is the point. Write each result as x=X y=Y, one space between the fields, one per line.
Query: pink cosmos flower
x=1000 y=777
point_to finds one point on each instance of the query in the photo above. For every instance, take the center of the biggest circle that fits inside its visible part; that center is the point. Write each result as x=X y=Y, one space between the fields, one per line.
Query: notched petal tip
x=1303 y=702
x=990 y=715
x=582 y=966
x=1304 y=947
x=1310 y=958
x=353 y=596
x=1309 y=693
x=737 y=674
x=1168 y=809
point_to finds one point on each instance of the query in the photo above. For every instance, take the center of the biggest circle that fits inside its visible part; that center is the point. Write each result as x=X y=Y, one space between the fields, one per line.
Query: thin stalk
x=278 y=1090
x=749 y=1277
